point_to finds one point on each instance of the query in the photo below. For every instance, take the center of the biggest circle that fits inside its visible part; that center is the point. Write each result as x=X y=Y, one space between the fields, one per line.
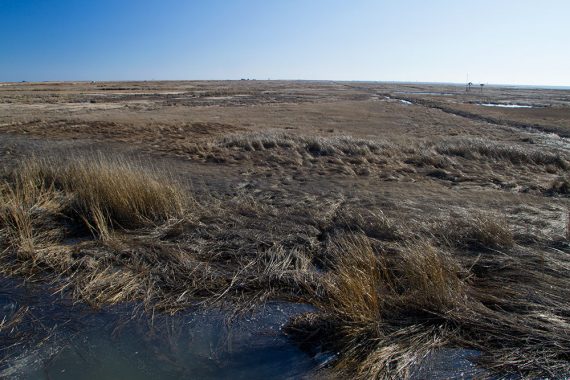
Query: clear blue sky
x=495 y=41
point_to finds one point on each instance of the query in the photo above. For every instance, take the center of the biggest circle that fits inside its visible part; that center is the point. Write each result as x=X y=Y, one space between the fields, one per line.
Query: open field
x=413 y=218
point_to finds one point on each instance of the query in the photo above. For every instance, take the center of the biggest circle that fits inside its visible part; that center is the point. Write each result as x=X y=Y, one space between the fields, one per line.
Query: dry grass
x=121 y=193
x=383 y=308
x=147 y=243
x=314 y=145
x=513 y=153
x=106 y=193
x=387 y=292
x=374 y=306
x=458 y=161
x=29 y=208
x=48 y=207
x=474 y=231
x=434 y=153
x=344 y=155
x=560 y=186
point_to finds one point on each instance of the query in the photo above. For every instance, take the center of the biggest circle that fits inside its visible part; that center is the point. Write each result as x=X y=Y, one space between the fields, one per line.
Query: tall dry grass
x=473 y=230
x=43 y=202
x=29 y=210
x=314 y=145
x=374 y=305
x=105 y=193
x=383 y=306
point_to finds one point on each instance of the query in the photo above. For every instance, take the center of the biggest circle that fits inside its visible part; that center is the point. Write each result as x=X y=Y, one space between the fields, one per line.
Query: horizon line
x=562 y=86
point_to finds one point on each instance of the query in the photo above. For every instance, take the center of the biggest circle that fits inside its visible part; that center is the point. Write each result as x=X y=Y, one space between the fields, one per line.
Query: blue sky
x=495 y=41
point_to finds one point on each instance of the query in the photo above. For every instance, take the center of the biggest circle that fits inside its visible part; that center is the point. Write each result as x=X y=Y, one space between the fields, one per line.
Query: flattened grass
x=384 y=306
x=386 y=292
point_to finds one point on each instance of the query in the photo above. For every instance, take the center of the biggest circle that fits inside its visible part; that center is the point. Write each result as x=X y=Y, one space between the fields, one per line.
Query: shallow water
x=63 y=341
x=423 y=93
x=59 y=340
x=450 y=363
x=505 y=105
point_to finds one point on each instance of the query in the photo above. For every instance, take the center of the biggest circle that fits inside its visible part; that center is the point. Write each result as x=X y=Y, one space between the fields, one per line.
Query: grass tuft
x=372 y=306
x=560 y=185
x=314 y=145
x=515 y=153
x=106 y=193
x=28 y=212
x=475 y=231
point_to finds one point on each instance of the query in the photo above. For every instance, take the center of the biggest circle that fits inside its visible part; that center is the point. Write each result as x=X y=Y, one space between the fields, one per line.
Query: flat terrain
x=292 y=158
x=179 y=125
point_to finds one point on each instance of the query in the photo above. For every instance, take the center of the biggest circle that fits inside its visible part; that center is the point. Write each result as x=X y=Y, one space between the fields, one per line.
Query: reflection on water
x=450 y=363
x=64 y=341
x=505 y=105
x=55 y=339
x=423 y=93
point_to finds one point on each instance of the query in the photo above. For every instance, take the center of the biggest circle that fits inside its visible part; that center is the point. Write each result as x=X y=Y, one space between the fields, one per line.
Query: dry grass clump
x=108 y=193
x=48 y=207
x=425 y=157
x=349 y=146
x=259 y=141
x=344 y=218
x=474 y=230
x=314 y=145
x=383 y=311
x=560 y=185
x=517 y=312
x=378 y=308
x=475 y=148
x=279 y=150
x=29 y=211
x=415 y=279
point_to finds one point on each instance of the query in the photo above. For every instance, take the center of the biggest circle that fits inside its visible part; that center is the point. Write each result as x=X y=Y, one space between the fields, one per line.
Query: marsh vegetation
x=387 y=291
x=400 y=247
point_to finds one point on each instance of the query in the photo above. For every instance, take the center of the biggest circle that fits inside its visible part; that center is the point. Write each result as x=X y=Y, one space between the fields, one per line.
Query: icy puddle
x=58 y=340
x=54 y=339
